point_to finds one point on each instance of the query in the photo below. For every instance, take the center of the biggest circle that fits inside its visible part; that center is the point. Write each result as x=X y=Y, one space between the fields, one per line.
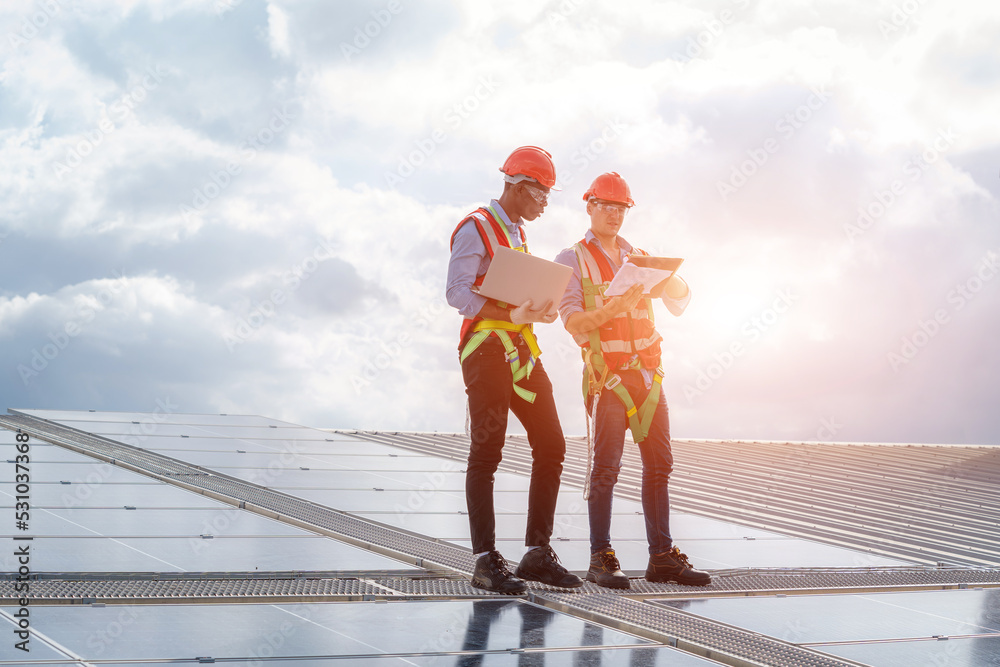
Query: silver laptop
x=514 y=277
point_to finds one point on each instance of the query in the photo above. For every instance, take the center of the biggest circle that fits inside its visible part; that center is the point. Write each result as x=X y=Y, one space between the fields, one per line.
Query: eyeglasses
x=541 y=197
x=611 y=207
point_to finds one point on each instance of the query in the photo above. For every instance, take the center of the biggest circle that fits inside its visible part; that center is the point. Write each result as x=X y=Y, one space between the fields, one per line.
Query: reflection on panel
x=322 y=629
x=603 y=657
x=836 y=618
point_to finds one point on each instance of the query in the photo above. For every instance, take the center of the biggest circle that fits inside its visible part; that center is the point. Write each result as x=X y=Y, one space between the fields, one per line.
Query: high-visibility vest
x=475 y=330
x=627 y=341
x=628 y=338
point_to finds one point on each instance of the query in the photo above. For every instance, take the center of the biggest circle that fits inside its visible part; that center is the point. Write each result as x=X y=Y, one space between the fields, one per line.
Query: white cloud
x=328 y=241
x=277 y=23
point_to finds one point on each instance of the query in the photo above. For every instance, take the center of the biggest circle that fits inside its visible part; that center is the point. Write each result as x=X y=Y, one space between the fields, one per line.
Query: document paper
x=630 y=274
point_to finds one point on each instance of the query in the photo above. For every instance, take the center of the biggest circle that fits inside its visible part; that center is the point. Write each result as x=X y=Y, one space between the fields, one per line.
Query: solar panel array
x=247 y=540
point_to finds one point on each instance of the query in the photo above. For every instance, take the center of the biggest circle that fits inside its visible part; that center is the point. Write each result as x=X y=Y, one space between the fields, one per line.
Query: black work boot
x=542 y=564
x=491 y=574
x=674 y=566
x=605 y=570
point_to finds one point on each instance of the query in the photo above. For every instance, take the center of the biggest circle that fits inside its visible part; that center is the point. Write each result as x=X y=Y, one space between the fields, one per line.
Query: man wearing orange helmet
x=499 y=353
x=622 y=377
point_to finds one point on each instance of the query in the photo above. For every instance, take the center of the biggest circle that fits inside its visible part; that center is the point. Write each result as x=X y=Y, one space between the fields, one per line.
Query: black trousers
x=489 y=385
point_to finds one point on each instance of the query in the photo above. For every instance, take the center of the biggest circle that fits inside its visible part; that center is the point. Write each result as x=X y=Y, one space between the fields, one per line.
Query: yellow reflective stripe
x=529 y=338
x=499 y=324
x=496 y=216
x=529 y=396
x=474 y=342
x=524 y=329
x=649 y=405
x=518 y=372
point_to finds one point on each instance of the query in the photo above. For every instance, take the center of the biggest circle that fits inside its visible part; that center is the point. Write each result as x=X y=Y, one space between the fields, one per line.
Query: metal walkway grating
x=725 y=643
x=76 y=588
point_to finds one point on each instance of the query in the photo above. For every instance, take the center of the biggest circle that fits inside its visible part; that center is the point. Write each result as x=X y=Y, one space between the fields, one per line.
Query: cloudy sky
x=243 y=206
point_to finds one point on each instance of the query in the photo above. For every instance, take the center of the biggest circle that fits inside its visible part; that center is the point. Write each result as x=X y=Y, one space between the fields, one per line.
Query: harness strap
x=591 y=435
x=501 y=329
x=598 y=376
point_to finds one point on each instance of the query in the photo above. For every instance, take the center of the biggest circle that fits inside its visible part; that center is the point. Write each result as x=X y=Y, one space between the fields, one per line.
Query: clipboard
x=663 y=263
x=514 y=277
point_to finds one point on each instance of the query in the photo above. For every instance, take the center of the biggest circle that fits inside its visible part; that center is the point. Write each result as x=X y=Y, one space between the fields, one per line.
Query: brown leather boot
x=605 y=570
x=671 y=566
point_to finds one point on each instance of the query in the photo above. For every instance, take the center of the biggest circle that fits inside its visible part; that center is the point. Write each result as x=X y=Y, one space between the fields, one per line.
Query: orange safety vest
x=627 y=334
x=627 y=341
x=477 y=329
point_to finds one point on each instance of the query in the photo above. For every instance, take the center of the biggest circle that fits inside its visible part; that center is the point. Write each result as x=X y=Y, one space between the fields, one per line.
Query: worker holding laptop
x=502 y=372
x=622 y=376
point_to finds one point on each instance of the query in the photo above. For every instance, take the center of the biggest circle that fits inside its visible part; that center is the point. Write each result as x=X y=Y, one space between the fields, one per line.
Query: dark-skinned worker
x=622 y=377
x=499 y=357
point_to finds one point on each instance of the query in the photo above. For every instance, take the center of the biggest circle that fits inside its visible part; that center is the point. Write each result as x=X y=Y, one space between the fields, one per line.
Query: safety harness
x=494 y=234
x=630 y=342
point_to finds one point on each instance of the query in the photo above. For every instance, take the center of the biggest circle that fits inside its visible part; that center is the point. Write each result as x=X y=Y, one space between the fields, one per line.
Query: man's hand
x=525 y=314
x=624 y=302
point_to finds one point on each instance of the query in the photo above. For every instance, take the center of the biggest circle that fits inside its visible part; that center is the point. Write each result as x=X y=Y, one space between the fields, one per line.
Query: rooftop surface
x=189 y=539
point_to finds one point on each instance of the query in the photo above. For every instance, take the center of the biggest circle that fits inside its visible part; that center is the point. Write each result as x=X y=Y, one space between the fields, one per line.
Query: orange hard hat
x=533 y=162
x=610 y=187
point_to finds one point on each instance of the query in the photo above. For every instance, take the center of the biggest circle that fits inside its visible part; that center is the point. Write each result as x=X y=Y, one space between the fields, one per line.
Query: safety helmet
x=610 y=187
x=533 y=162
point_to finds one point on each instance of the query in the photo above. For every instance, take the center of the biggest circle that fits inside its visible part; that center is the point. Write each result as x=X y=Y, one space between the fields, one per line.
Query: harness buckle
x=613 y=381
